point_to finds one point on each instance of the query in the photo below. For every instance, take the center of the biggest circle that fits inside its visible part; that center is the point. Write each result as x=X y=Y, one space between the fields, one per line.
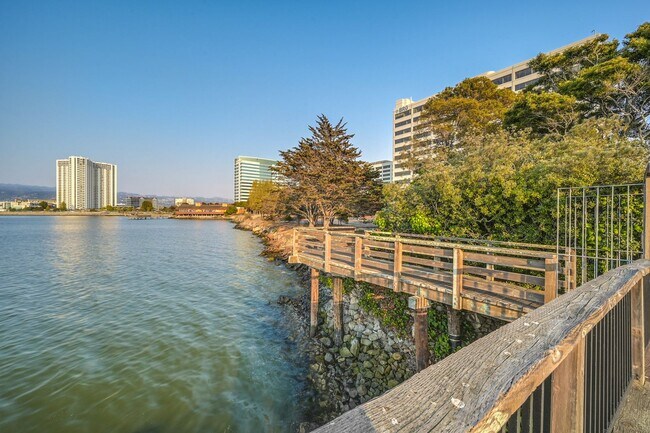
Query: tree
x=44 y=206
x=544 y=113
x=475 y=105
x=146 y=206
x=605 y=80
x=231 y=209
x=265 y=198
x=325 y=177
x=63 y=206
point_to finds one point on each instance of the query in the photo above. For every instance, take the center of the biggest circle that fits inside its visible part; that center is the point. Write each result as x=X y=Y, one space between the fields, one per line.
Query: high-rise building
x=406 y=114
x=248 y=169
x=385 y=169
x=84 y=184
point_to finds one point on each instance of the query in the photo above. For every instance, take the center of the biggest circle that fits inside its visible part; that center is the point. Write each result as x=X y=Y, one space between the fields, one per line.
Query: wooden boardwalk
x=503 y=280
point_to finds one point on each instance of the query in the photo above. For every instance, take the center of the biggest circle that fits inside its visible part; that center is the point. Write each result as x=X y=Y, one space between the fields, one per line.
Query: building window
x=418 y=109
x=402 y=114
x=402 y=140
x=503 y=79
x=403 y=131
x=526 y=84
x=402 y=123
x=523 y=72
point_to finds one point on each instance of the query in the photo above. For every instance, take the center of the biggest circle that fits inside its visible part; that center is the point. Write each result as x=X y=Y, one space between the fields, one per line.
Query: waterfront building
x=201 y=210
x=407 y=112
x=248 y=169
x=84 y=184
x=137 y=201
x=183 y=200
x=385 y=169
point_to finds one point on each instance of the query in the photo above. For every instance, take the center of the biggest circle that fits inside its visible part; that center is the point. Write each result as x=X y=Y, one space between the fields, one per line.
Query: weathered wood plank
x=313 y=317
x=515 y=262
x=427 y=262
x=505 y=275
x=567 y=392
x=550 y=279
x=638 y=333
x=457 y=281
x=503 y=289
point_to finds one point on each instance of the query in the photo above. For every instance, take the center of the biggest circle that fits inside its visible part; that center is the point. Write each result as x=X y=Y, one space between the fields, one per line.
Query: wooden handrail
x=544 y=353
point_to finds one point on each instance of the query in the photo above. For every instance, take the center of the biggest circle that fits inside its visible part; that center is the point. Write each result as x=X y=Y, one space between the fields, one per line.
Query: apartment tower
x=84 y=184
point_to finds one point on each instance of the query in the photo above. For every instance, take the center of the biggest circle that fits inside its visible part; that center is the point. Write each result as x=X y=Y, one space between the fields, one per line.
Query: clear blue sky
x=172 y=92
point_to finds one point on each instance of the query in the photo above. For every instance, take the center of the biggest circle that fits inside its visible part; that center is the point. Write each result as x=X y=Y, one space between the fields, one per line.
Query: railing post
x=453 y=327
x=420 y=305
x=568 y=392
x=397 y=269
x=457 y=282
x=550 y=279
x=337 y=309
x=638 y=332
x=294 y=247
x=328 y=252
x=570 y=269
x=358 y=249
x=313 y=319
x=646 y=214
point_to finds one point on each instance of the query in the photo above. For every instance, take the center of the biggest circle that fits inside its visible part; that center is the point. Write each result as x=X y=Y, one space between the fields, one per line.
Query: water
x=113 y=325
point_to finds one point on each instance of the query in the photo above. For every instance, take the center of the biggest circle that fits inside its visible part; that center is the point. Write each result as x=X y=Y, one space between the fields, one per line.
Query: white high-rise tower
x=84 y=184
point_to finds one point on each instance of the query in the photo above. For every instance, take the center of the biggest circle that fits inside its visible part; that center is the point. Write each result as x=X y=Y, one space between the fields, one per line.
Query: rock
x=397 y=356
x=354 y=347
x=365 y=342
x=328 y=357
x=392 y=383
x=345 y=352
x=326 y=341
x=373 y=337
x=352 y=392
x=362 y=390
x=367 y=364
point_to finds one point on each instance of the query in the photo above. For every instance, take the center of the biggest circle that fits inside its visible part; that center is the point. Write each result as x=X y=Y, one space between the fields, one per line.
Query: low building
x=201 y=210
x=385 y=169
x=136 y=202
x=183 y=200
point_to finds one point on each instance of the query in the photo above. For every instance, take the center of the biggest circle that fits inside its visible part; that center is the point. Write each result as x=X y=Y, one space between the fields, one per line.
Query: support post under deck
x=453 y=327
x=313 y=320
x=420 y=306
x=337 y=309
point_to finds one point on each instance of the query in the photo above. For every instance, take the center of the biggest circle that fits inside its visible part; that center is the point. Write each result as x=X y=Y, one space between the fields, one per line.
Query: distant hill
x=10 y=191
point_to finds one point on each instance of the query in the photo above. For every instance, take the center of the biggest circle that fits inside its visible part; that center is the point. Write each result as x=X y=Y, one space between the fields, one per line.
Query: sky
x=173 y=91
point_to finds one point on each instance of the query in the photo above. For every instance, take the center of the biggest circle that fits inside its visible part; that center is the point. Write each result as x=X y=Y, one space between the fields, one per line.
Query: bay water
x=116 y=325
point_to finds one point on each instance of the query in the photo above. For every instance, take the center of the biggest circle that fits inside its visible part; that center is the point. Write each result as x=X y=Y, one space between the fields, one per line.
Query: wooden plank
x=504 y=275
x=427 y=262
x=424 y=275
x=358 y=249
x=503 y=289
x=515 y=262
x=568 y=392
x=328 y=251
x=457 y=282
x=377 y=264
x=387 y=245
x=646 y=213
x=550 y=279
x=380 y=255
x=638 y=332
x=426 y=250
x=337 y=309
x=397 y=266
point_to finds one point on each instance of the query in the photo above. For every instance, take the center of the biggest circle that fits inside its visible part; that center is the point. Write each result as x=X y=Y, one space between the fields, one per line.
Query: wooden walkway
x=503 y=280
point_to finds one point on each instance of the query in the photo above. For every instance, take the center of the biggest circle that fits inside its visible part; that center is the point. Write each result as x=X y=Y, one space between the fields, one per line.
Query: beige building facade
x=84 y=184
x=406 y=114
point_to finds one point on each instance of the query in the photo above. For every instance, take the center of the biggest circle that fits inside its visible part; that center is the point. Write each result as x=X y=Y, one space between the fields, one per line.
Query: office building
x=407 y=112
x=249 y=169
x=137 y=201
x=84 y=184
x=183 y=200
x=385 y=169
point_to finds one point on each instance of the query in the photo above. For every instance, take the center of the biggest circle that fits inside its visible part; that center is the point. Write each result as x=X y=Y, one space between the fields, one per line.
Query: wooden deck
x=498 y=279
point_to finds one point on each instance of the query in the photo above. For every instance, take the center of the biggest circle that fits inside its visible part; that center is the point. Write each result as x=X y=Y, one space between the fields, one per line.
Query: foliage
x=231 y=209
x=475 y=105
x=389 y=307
x=544 y=113
x=44 y=205
x=110 y=208
x=502 y=185
x=265 y=198
x=146 y=206
x=63 y=206
x=325 y=177
x=604 y=79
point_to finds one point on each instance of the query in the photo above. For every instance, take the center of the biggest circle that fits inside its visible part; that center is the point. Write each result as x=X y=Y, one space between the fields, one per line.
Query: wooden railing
x=564 y=367
x=498 y=279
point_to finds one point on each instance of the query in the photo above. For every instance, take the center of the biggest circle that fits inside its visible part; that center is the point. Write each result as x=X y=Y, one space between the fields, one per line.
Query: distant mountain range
x=10 y=191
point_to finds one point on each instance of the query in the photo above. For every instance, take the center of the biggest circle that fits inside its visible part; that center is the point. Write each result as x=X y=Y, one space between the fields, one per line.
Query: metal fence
x=602 y=226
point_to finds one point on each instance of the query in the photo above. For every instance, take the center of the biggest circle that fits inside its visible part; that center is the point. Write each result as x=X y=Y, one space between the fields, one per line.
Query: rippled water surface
x=114 y=325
